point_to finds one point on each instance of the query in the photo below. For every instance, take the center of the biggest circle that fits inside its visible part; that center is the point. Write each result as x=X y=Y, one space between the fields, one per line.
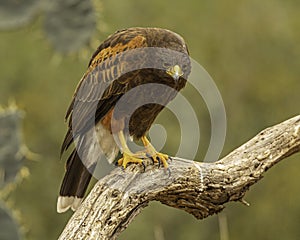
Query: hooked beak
x=175 y=72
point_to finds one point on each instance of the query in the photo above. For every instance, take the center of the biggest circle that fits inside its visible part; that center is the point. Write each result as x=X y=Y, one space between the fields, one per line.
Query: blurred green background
x=250 y=48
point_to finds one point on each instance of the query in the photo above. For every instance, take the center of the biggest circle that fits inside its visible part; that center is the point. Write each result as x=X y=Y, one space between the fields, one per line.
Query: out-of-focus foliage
x=12 y=159
x=17 y=13
x=63 y=26
x=65 y=29
x=250 y=48
x=11 y=156
x=9 y=229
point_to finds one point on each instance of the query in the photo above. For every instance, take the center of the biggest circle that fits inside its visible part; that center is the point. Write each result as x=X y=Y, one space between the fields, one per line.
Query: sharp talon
x=169 y=158
x=169 y=171
x=144 y=166
x=160 y=161
x=152 y=160
x=129 y=158
x=156 y=157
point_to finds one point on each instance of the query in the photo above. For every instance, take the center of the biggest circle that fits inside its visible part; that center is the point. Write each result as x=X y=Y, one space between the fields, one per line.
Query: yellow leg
x=128 y=156
x=156 y=156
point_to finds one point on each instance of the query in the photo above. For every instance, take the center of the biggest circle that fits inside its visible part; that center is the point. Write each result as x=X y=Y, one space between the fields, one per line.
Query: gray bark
x=200 y=189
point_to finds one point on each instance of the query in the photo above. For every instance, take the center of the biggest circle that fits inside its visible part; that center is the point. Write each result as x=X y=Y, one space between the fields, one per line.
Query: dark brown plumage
x=125 y=60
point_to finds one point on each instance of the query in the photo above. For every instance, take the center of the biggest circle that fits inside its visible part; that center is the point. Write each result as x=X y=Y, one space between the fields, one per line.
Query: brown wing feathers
x=98 y=92
x=88 y=91
x=97 y=82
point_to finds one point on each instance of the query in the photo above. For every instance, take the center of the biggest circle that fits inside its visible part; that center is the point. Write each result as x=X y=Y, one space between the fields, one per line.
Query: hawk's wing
x=110 y=74
x=97 y=92
x=101 y=86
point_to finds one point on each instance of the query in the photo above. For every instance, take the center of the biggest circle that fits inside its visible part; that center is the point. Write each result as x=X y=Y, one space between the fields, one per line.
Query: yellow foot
x=157 y=157
x=130 y=158
x=160 y=158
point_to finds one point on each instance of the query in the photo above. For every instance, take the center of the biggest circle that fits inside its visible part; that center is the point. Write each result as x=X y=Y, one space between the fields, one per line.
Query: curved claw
x=168 y=170
x=156 y=157
x=160 y=158
x=144 y=166
x=130 y=158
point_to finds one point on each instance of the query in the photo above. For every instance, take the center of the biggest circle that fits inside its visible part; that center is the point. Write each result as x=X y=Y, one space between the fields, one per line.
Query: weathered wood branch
x=201 y=189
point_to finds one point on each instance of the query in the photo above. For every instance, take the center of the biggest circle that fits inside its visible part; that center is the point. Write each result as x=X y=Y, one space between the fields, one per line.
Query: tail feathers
x=64 y=203
x=67 y=142
x=74 y=184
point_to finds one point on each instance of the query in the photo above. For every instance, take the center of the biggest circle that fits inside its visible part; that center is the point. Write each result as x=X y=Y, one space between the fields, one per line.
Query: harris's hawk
x=143 y=68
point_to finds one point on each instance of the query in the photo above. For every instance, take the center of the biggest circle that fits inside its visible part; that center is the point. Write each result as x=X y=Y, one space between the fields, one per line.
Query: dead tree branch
x=200 y=189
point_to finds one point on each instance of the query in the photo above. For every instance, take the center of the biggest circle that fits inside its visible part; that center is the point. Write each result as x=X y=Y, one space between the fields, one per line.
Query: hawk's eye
x=166 y=65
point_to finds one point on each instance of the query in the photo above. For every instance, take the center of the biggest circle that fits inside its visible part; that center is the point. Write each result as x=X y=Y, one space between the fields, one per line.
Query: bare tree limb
x=200 y=189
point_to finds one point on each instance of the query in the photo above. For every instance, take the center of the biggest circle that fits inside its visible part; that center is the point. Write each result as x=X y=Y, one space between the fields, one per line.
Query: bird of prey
x=143 y=68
